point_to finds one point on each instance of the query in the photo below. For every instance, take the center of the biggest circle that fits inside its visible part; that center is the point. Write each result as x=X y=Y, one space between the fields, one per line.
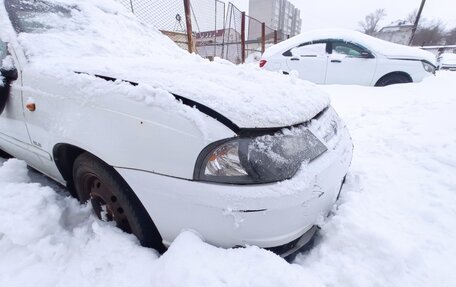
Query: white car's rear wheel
x=113 y=200
x=393 y=79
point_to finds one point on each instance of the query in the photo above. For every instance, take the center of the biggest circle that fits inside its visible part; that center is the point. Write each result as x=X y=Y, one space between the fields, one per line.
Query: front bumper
x=267 y=215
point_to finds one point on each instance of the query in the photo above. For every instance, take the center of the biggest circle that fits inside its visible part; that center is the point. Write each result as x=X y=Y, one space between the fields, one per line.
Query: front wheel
x=113 y=200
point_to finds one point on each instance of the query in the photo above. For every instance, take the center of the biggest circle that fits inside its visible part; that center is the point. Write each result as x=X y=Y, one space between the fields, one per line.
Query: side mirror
x=10 y=75
x=367 y=55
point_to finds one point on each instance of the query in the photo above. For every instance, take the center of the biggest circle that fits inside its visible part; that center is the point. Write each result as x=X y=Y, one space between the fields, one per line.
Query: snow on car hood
x=101 y=37
x=388 y=49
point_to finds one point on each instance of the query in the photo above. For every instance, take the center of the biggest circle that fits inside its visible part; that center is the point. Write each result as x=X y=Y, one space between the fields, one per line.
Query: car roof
x=375 y=45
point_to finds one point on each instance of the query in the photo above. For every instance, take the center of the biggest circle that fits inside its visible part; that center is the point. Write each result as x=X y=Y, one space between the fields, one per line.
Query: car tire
x=113 y=200
x=392 y=80
x=5 y=155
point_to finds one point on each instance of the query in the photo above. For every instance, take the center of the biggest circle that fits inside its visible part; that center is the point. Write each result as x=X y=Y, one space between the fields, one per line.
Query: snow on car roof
x=385 y=48
x=102 y=37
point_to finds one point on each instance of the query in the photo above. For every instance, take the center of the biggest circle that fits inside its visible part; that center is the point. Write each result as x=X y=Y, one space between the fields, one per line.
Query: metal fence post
x=276 y=37
x=263 y=37
x=188 y=22
x=243 y=37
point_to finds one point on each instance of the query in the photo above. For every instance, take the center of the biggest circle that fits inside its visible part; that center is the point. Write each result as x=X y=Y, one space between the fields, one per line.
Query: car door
x=14 y=137
x=309 y=60
x=350 y=64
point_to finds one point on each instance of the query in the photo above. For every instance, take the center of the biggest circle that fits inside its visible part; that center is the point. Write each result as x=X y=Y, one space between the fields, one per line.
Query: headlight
x=428 y=67
x=263 y=159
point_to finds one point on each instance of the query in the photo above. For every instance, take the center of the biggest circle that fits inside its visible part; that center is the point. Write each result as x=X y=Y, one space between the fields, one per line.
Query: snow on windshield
x=38 y=16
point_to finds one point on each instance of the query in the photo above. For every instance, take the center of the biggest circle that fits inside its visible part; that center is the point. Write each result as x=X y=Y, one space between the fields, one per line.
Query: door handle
x=336 y=61
x=295 y=59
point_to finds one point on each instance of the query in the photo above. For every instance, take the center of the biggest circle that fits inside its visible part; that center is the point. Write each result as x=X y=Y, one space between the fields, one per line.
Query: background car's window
x=345 y=48
x=37 y=16
x=310 y=50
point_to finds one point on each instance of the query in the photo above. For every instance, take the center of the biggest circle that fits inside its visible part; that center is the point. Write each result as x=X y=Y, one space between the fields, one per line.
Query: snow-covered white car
x=341 y=56
x=159 y=140
x=447 y=61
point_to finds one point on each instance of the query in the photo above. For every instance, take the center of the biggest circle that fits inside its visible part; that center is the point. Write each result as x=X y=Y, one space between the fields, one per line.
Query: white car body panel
x=311 y=69
x=229 y=216
x=343 y=70
x=77 y=121
x=13 y=130
x=310 y=62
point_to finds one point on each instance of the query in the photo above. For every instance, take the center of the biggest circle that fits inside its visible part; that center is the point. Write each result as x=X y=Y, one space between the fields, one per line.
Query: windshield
x=75 y=30
x=36 y=16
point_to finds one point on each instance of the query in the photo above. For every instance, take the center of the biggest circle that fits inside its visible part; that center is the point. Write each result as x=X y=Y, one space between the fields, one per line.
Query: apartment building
x=280 y=15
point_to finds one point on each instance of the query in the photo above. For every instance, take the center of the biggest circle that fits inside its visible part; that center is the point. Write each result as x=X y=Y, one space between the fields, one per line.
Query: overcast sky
x=346 y=14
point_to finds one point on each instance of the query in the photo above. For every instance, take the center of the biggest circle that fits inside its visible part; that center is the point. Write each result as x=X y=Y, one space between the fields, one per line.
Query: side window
x=347 y=49
x=309 y=50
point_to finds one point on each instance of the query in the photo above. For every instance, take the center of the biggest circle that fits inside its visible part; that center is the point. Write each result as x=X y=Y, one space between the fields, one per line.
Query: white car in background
x=160 y=140
x=348 y=57
x=447 y=61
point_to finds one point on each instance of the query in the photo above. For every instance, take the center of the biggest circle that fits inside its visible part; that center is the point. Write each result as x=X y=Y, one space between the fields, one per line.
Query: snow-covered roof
x=398 y=23
x=100 y=36
x=388 y=49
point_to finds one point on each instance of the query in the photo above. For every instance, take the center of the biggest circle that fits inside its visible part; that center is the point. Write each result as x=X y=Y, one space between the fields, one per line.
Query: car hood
x=246 y=95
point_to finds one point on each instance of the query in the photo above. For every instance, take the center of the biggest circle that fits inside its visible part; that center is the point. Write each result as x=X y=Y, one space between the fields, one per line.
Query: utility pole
x=417 y=20
x=188 y=22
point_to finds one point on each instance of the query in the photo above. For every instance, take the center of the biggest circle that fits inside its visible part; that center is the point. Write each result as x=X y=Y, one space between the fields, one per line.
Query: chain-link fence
x=166 y=15
x=232 y=41
x=218 y=30
x=270 y=36
x=209 y=18
x=282 y=36
x=255 y=43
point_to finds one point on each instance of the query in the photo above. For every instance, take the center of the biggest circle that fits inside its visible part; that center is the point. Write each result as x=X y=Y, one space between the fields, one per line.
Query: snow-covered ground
x=395 y=224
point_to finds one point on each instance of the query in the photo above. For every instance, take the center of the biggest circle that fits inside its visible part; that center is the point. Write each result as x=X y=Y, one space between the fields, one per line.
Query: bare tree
x=370 y=23
x=429 y=33
x=412 y=16
x=450 y=37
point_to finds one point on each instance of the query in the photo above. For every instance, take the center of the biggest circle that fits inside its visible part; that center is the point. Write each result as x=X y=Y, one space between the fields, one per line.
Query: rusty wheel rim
x=105 y=203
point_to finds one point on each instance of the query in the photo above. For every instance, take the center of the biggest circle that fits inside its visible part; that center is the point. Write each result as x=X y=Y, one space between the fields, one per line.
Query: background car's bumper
x=448 y=68
x=267 y=215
